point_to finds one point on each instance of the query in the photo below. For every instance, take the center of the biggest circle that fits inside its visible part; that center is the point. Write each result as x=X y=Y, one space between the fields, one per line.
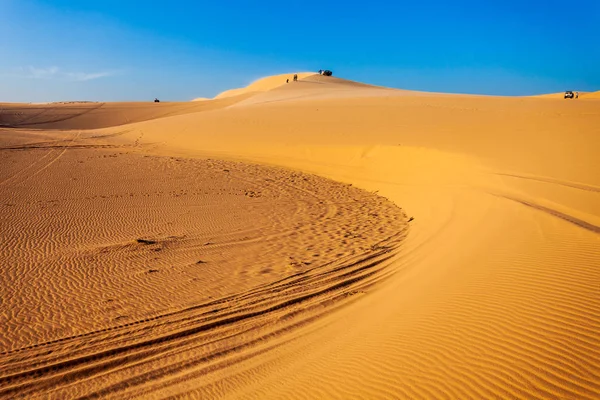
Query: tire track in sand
x=167 y=346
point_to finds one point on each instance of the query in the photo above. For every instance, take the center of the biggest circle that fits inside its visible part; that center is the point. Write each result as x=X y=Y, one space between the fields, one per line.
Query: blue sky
x=136 y=50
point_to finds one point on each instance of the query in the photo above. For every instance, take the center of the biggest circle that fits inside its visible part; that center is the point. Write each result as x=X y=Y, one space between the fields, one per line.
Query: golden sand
x=259 y=246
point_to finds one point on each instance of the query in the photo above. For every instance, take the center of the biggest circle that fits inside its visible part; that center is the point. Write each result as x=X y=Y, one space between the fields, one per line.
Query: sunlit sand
x=313 y=239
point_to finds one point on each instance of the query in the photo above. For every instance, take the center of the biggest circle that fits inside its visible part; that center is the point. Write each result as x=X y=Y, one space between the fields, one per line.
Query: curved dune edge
x=128 y=299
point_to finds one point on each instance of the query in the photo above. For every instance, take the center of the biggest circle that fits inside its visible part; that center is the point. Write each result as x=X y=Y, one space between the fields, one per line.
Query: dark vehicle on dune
x=327 y=72
x=569 y=94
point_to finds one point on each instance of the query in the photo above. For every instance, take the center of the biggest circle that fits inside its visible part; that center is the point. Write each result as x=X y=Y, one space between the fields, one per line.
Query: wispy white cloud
x=57 y=73
x=83 y=76
x=39 y=73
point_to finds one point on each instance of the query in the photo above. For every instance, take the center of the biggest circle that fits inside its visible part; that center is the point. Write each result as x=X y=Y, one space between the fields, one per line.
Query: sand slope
x=264 y=84
x=593 y=95
x=494 y=292
x=108 y=251
x=90 y=115
x=559 y=95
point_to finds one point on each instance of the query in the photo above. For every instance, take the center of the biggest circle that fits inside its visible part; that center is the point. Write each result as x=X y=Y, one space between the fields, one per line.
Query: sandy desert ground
x=317 y=239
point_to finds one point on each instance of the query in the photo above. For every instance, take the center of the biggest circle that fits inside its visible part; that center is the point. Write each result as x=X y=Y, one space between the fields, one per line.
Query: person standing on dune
x=295 y=77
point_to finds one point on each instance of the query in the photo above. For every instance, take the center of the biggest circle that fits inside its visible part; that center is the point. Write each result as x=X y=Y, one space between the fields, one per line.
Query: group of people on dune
x=325 y=72
x=295 y=79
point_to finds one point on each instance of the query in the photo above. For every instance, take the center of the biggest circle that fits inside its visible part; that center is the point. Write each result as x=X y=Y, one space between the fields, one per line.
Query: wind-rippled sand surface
x=171 y=255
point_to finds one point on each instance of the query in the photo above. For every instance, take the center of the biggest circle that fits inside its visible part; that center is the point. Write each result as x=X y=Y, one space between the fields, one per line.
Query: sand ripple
x=121 y=269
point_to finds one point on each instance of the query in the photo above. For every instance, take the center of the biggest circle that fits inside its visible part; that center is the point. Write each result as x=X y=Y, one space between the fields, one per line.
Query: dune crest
x=592 y=95
x=264 y=84
x=561 y=95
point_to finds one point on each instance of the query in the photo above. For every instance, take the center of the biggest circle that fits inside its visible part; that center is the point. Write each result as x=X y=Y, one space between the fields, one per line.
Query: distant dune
x=560 y=95
x=311 y=240
x=593 y=95
x=77 y=115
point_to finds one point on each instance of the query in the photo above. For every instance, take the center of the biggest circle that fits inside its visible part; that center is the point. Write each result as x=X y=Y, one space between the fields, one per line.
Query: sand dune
x=493 y=292
x=593 y=95
x=559 y=95
x=91 y=115
x=264 y=84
